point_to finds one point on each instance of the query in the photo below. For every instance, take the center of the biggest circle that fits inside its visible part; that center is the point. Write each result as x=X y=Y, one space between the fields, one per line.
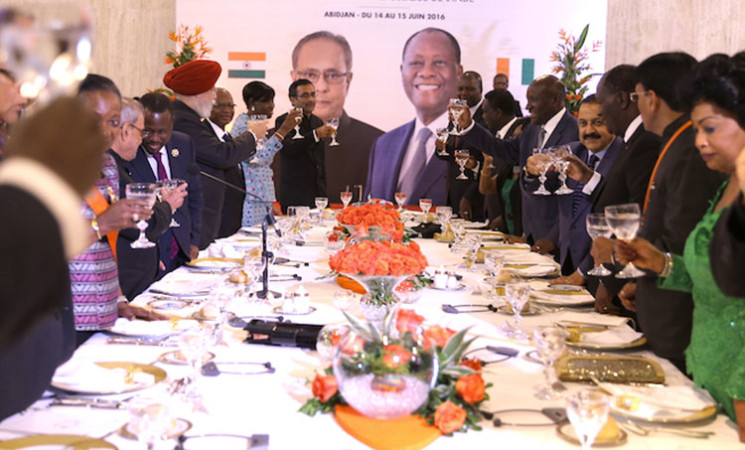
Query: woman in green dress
x=716 y=354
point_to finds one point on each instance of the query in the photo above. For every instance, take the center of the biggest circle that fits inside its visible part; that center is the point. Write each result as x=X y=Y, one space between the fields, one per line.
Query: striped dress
x=94 y=278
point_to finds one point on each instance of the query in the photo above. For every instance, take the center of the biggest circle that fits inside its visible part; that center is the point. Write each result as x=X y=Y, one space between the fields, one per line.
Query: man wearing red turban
x=193 y=84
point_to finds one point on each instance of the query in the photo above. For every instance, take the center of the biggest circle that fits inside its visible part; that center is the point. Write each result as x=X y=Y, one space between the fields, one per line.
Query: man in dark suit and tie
x=402 y=160
x=168 y=154
x=303 y=176
x=470 y=90
x=598 y=148
x=550 y=125
x=502 y=81
x=193 y=84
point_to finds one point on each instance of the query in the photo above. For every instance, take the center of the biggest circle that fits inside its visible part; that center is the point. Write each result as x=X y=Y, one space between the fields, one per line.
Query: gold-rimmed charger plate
x=180 y=427
x=131 y=368
x=73 y=441
x=215 y=263
x=566 y=432
x=197 y=315
x=677 y=417
x=625 y=346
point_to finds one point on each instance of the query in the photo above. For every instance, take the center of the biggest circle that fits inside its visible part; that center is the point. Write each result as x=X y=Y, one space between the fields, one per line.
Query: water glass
x=597 y=226
x=550 y=342
x=588 y=411
x=625 y=220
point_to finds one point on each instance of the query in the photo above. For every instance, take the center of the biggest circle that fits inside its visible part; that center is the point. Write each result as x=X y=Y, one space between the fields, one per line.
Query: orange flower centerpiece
x=384 y=216
x=380 y=267
x=403 y=367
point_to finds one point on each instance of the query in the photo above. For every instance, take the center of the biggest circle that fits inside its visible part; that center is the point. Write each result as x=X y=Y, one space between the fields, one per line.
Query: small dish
x=167 y=304
x=197 y=315
x=533 y=310
x=279 y=310
x=566 y=432
x=459 y=287
x=176 y=358
x=179 y=428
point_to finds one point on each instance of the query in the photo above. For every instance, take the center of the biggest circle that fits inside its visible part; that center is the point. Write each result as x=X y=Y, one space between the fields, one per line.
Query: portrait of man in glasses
x=326 y=59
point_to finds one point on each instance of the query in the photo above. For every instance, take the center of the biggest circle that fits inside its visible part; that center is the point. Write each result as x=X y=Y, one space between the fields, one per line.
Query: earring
x=252 y=108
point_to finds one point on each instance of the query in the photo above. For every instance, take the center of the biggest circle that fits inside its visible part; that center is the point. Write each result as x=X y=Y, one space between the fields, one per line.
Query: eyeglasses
x=634 y=97
x=330 y=76
x=224 y=105
x=143 y=132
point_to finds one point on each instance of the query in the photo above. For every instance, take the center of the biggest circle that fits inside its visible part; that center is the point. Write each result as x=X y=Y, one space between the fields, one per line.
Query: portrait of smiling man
x=402 y=159
x=325 y=59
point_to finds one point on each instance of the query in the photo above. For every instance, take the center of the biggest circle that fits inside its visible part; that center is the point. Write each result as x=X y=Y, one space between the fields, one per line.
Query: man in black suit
x=325 y=59
x=53 y=159
x=168 y=154
x=303 y=176
x=232 y=210
x=677 y=197
x=470 y=90
x=501 y=81
x=193 y=85
x=550 y=125
x=138 y=268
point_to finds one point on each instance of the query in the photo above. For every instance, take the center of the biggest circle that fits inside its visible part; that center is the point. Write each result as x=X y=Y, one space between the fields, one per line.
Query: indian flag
x=246 y=65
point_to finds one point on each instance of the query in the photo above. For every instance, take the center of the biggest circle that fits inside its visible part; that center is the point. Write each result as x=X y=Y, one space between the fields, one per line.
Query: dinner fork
x=642 y=430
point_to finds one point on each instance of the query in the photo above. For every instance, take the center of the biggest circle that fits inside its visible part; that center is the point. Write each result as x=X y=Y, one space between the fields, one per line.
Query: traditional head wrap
x=193 y=77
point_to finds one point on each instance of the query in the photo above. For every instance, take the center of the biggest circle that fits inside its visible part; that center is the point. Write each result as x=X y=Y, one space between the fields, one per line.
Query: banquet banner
x=255 y=39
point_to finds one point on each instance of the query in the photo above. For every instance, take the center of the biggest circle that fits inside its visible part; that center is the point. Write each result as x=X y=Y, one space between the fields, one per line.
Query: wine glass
x=333 y=123
x=597 y=226
x=455 y=107
x=145 y=192
x=170 y=185
x=624 y=220
x=442 y=135
x=425 y=204
x=260 y=140
x=299 y=119
x=494 y=262
x=346 y=197
x=472 y=246
x=518 y=294
x=192 y=344
x=321 y=204
x=461 y=157
x=400 y=198
x=444 y=213
x=588 y=411
x=150 y=417
x=458 y=227
x=558 y=154
x=549 y=342
x=543 y=162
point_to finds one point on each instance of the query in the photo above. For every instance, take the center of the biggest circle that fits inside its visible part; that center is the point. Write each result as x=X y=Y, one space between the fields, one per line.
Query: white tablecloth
x=268 y=404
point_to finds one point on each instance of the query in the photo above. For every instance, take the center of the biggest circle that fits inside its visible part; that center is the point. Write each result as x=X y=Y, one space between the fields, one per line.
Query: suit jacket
x=37 y=332
x=478 y=116
x=496 y=204
x=213 y=157
x=138 y=267
x=539 y=212
x=679 y=197
x=346 y=164
x=385 y=163
x=468 y=188
x=303 y=176
x=727 y=250
x=232 y=207
x=570 y=233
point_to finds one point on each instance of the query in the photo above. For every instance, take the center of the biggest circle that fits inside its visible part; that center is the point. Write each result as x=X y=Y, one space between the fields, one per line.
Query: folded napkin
x=527 y=258
x=180 y=285
x=536 y=270
x=156 y=328
x=647 y=401
x=224 y=249
x=91 y=377
x=613 y=336
x=592 y=318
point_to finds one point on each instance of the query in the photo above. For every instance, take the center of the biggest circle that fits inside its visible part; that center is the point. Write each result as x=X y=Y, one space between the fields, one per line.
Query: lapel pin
x=174 y=152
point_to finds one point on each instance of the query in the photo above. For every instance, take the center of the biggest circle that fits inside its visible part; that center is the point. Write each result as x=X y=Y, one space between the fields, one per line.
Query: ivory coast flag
x=246 y=65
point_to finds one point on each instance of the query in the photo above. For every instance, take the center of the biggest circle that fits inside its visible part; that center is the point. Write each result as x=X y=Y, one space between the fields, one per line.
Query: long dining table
x=267 y=403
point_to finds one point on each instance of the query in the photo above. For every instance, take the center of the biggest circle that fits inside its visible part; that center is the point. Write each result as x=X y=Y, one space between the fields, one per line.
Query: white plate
x=158 y=328
x=561 y=298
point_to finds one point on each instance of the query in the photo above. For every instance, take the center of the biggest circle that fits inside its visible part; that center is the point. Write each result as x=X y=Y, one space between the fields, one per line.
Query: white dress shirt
x=154 y=164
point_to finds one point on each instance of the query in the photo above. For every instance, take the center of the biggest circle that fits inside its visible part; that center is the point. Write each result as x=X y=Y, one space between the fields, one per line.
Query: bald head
x=223 y=109
x=545 y=98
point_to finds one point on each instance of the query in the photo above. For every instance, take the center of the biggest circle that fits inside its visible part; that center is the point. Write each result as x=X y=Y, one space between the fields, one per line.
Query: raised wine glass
x=597 y=226
x=333 y=123
x=543 y=163
x=147 y=193
x=401 y=198
x=299 y=119
x=461 y=157
x=624 y=220
x=588 y=411
x=171 y=185
x=346 y=197
x=558 y=155
x=442 y=136
x=455 y=107
x=549 y=342
x=260 y=140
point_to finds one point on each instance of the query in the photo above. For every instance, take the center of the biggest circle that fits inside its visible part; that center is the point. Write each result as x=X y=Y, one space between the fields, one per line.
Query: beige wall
x=640 y=28
x=130 y=37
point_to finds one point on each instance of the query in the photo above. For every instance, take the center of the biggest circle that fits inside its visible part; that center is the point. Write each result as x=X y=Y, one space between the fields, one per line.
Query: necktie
x=578 y=195
x=227 y=137
x=162 y=174
x=541 y=137
x=417 y=164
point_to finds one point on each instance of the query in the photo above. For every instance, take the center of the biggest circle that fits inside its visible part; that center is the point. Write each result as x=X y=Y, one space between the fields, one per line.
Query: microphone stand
x=266 y=255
